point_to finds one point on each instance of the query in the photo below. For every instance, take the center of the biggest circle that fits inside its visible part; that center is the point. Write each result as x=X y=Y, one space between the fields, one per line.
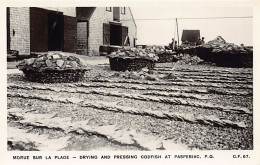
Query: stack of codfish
x=163 y=54
x=128 y=58
x=126 y=52
x=222 y=46
x=53 y=67
x=54 y=61
x=187 y=49
x=226 y=54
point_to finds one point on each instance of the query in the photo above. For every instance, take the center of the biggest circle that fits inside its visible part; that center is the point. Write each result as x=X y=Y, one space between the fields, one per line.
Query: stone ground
x=185 y=107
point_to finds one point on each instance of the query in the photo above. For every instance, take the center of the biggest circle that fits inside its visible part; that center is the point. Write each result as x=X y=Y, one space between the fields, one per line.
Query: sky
x=160 y=32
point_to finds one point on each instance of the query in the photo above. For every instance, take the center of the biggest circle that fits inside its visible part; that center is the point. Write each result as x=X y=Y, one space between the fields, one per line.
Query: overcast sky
x=160 y=32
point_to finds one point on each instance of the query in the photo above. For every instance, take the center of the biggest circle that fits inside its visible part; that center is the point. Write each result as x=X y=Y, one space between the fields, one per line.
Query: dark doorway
x=116 y=14
x=55 y=31
x=115 y=35
x=82 y=37
x=70 y=34
x=38 y=30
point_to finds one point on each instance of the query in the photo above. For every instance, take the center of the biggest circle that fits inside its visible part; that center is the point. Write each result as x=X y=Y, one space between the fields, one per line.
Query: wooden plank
x=106 y=34
x=70 y=33
x=38 y=30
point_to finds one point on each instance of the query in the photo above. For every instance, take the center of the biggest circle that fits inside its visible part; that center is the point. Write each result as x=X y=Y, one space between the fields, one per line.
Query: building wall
x=101 y=16
x=127 y=20
x=20 y=30
x=20 y=26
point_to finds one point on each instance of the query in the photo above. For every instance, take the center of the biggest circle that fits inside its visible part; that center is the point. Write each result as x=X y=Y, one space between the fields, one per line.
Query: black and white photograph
x=118 y=78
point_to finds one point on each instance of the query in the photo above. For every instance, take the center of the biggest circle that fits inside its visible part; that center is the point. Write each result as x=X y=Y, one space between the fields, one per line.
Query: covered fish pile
x=163 y=54
x=128 y=58
x=226 y=54
x=187 y=49
x=53 y=67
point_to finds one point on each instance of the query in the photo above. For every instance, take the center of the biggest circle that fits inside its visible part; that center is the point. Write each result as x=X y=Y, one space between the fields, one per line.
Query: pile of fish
x=163 y=54
x=53 y=68
x=226 y=54
x=129 y=58
x=150 y=52
x=222 y=46
x=51 y=61
x=187 y=49
x=158 y=50
x=132 y=52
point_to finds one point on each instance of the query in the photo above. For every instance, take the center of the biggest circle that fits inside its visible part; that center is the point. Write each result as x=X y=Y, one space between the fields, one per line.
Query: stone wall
x=20 y=30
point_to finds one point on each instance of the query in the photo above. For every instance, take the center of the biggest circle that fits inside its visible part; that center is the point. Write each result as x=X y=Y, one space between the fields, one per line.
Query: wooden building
x=190 y=36
x=104 y=26
x=68 y=29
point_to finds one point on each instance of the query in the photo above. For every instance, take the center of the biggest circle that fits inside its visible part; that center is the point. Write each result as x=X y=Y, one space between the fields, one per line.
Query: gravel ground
x=107 y=111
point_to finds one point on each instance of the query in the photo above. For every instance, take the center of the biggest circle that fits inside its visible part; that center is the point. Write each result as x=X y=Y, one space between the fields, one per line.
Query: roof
x=190 y=35
x=218 y=39
x=132 y=16
x=84 y=13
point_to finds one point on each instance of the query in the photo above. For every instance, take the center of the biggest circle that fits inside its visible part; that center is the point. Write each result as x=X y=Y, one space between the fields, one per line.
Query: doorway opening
x=115 y=35
x=82 y=37
x=55 y=31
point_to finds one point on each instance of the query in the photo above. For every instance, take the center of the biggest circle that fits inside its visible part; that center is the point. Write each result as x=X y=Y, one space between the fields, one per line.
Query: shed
x=190 y=35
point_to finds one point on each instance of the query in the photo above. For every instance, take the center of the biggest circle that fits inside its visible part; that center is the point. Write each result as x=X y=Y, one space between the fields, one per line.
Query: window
x=109 y=9
x=123 y=10
x=116 y=14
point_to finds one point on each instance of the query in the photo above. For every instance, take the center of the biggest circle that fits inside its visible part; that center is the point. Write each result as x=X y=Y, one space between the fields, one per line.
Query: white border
x=221 y=157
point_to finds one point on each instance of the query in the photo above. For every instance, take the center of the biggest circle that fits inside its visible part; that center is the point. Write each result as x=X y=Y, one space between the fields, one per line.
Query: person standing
x=172 y=44
x=202 y=41
x=198 y=42
x=176 y=49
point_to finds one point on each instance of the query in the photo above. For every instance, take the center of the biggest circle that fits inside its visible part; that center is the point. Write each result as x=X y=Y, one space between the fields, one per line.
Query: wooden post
x=177 y=30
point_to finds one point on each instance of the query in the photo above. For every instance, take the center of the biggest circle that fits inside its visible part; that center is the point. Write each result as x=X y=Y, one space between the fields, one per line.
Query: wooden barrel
x=103 y=49
x=12 y=55
x=112 y=48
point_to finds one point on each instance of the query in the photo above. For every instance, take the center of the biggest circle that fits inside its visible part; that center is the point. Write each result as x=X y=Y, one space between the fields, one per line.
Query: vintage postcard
x=112 y=82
